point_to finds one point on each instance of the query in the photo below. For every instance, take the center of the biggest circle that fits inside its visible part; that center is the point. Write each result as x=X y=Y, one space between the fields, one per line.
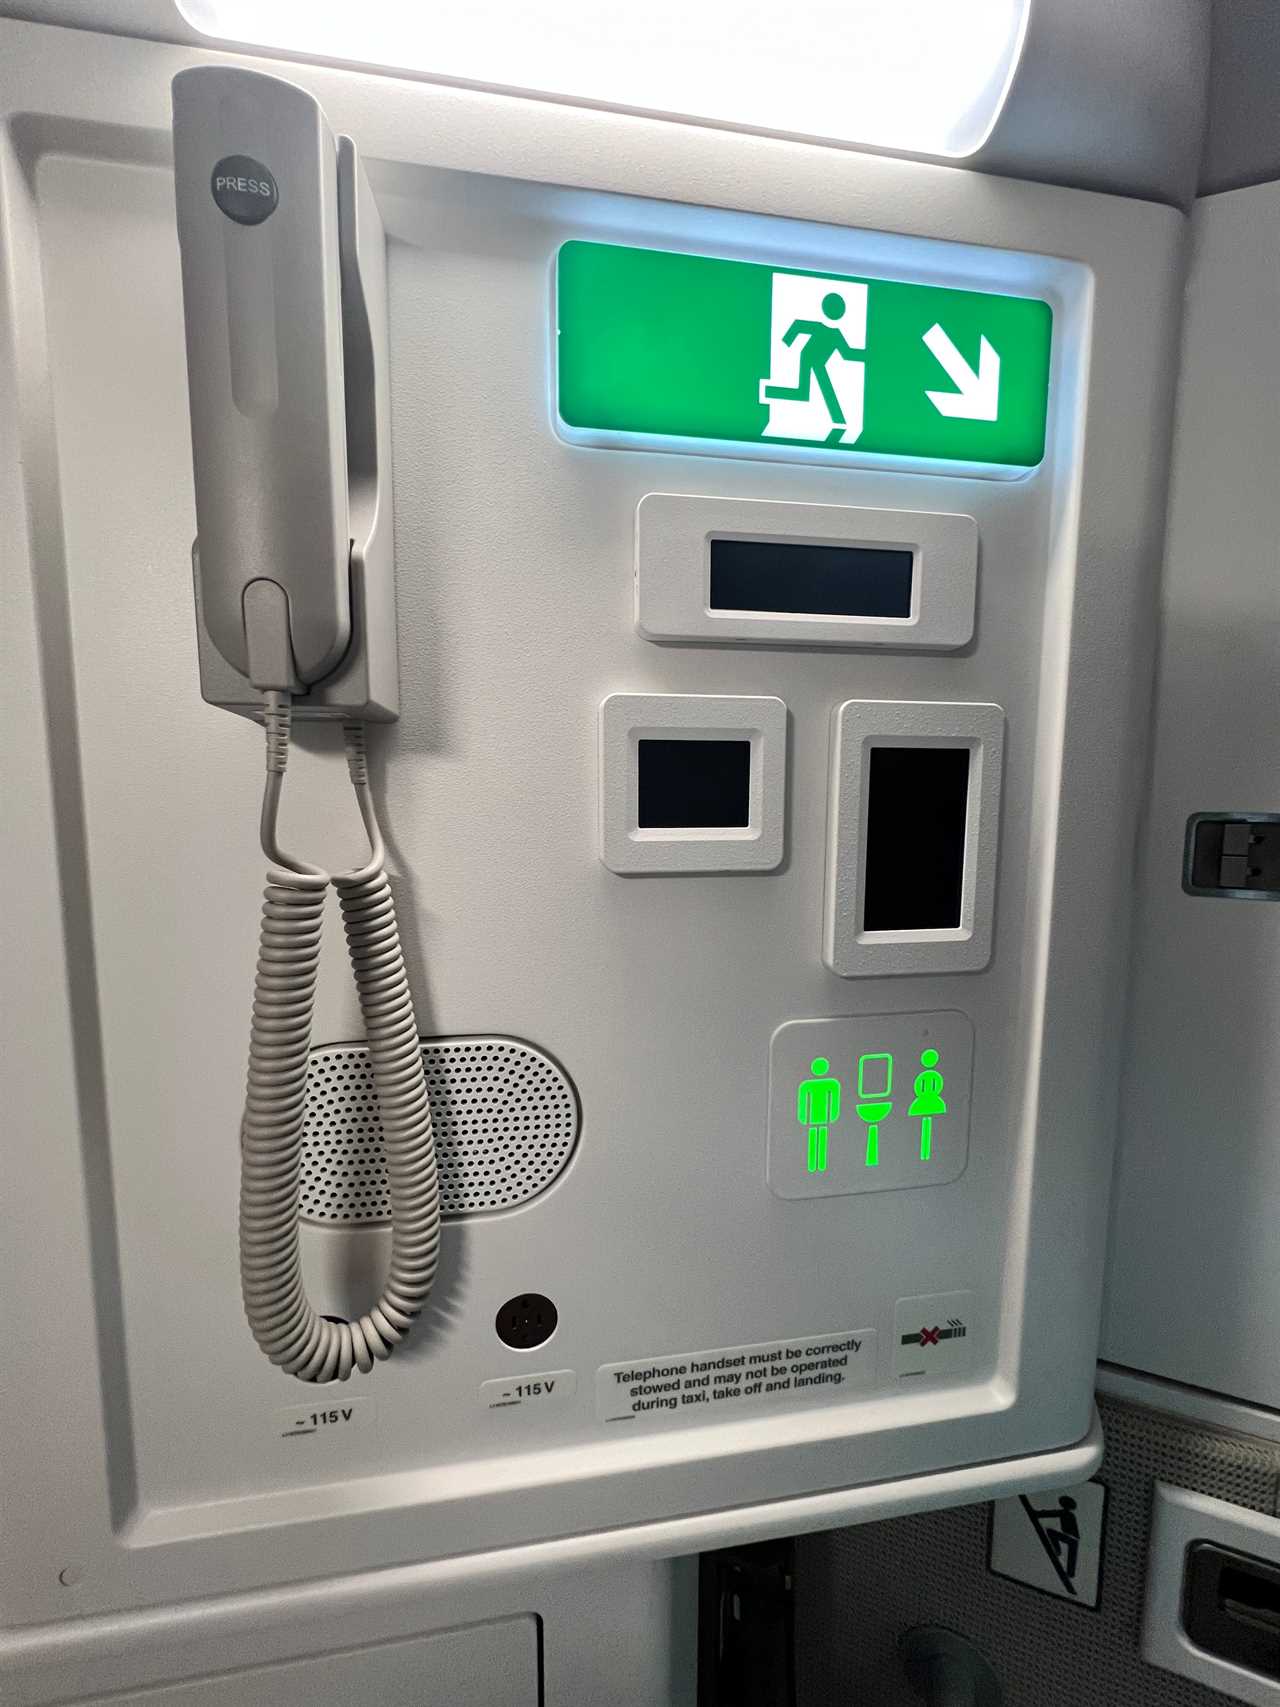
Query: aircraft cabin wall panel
x=662 y=1240
x=514 y=626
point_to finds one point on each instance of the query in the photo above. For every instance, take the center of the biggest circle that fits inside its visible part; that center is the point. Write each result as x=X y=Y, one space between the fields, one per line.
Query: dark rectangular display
x=917 y=804
x=783 y=576
x=694 y=785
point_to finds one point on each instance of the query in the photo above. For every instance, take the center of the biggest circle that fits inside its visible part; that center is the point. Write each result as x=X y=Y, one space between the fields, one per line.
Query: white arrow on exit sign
x=977 y=397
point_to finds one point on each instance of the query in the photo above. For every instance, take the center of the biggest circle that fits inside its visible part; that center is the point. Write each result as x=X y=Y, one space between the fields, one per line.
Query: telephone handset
x=283 y=280
x=284 y=287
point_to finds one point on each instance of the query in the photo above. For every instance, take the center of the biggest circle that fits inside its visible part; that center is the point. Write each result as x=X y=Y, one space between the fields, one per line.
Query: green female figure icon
x=818 y=1107
x=928 y=1104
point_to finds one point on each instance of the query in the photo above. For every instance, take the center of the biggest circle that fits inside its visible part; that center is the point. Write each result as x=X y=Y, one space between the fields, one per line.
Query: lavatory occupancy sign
x=654 y=344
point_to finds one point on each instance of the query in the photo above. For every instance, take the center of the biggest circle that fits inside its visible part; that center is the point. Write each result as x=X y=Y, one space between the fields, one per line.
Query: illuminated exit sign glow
x=653 y=345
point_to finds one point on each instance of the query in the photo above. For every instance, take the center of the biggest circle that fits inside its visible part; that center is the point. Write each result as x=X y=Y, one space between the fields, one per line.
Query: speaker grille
x=505 y=1119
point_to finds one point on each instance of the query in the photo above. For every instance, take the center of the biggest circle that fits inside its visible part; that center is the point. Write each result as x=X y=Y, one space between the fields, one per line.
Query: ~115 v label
x=339 y=1420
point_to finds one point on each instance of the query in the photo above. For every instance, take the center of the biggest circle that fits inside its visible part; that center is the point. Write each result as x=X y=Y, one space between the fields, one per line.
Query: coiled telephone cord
x=284 y=1322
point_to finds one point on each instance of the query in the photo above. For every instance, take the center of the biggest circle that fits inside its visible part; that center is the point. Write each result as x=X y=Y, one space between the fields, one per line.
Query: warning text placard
x=706 y=1384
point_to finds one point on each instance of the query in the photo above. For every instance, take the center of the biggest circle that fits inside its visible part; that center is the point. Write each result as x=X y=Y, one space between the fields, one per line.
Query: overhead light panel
x=913 y=76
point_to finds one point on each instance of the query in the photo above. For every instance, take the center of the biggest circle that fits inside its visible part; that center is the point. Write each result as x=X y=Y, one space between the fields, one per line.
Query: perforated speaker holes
x=505 y=1119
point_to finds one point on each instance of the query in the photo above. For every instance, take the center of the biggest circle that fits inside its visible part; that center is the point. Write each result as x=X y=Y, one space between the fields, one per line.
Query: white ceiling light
x=919 y=76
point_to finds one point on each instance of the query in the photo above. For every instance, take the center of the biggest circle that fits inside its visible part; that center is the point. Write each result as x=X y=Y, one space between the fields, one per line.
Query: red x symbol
x=929 y=1336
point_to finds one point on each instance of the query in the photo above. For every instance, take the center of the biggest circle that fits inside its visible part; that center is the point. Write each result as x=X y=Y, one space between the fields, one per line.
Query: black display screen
x=791 y=579
x=694 y=785
x=917 y=805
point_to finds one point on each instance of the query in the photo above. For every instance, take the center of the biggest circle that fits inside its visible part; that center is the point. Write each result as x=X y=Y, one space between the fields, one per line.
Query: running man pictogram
x=822 y=340
x=815 y=387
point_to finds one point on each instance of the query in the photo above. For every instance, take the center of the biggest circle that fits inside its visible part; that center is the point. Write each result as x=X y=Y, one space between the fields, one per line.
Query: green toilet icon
x=875 y=1082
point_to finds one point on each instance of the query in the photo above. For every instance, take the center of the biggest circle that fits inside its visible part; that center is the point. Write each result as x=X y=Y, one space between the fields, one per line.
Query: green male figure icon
x=928 y=1104
x=818 y=1107
x=822 y=341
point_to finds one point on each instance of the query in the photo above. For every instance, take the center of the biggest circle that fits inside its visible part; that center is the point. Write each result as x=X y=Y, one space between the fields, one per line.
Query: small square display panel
x=877 y=1103
x=693 y=785
x=692 y=782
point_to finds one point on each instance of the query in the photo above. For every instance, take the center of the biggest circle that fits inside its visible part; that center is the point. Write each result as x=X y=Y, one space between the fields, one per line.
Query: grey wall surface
x=1108 y=97
x=1197 y=1190
x=1242 y=140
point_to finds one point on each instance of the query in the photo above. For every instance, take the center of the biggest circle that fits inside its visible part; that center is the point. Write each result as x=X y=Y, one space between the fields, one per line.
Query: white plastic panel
x=673 y=568
x=592 y=1631
x=166 y=1475
x=858 y=727
x=627 y=719
x=491 y=1665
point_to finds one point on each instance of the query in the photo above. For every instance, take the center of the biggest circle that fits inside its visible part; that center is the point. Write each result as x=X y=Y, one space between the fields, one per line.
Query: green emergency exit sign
x=657 y=345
